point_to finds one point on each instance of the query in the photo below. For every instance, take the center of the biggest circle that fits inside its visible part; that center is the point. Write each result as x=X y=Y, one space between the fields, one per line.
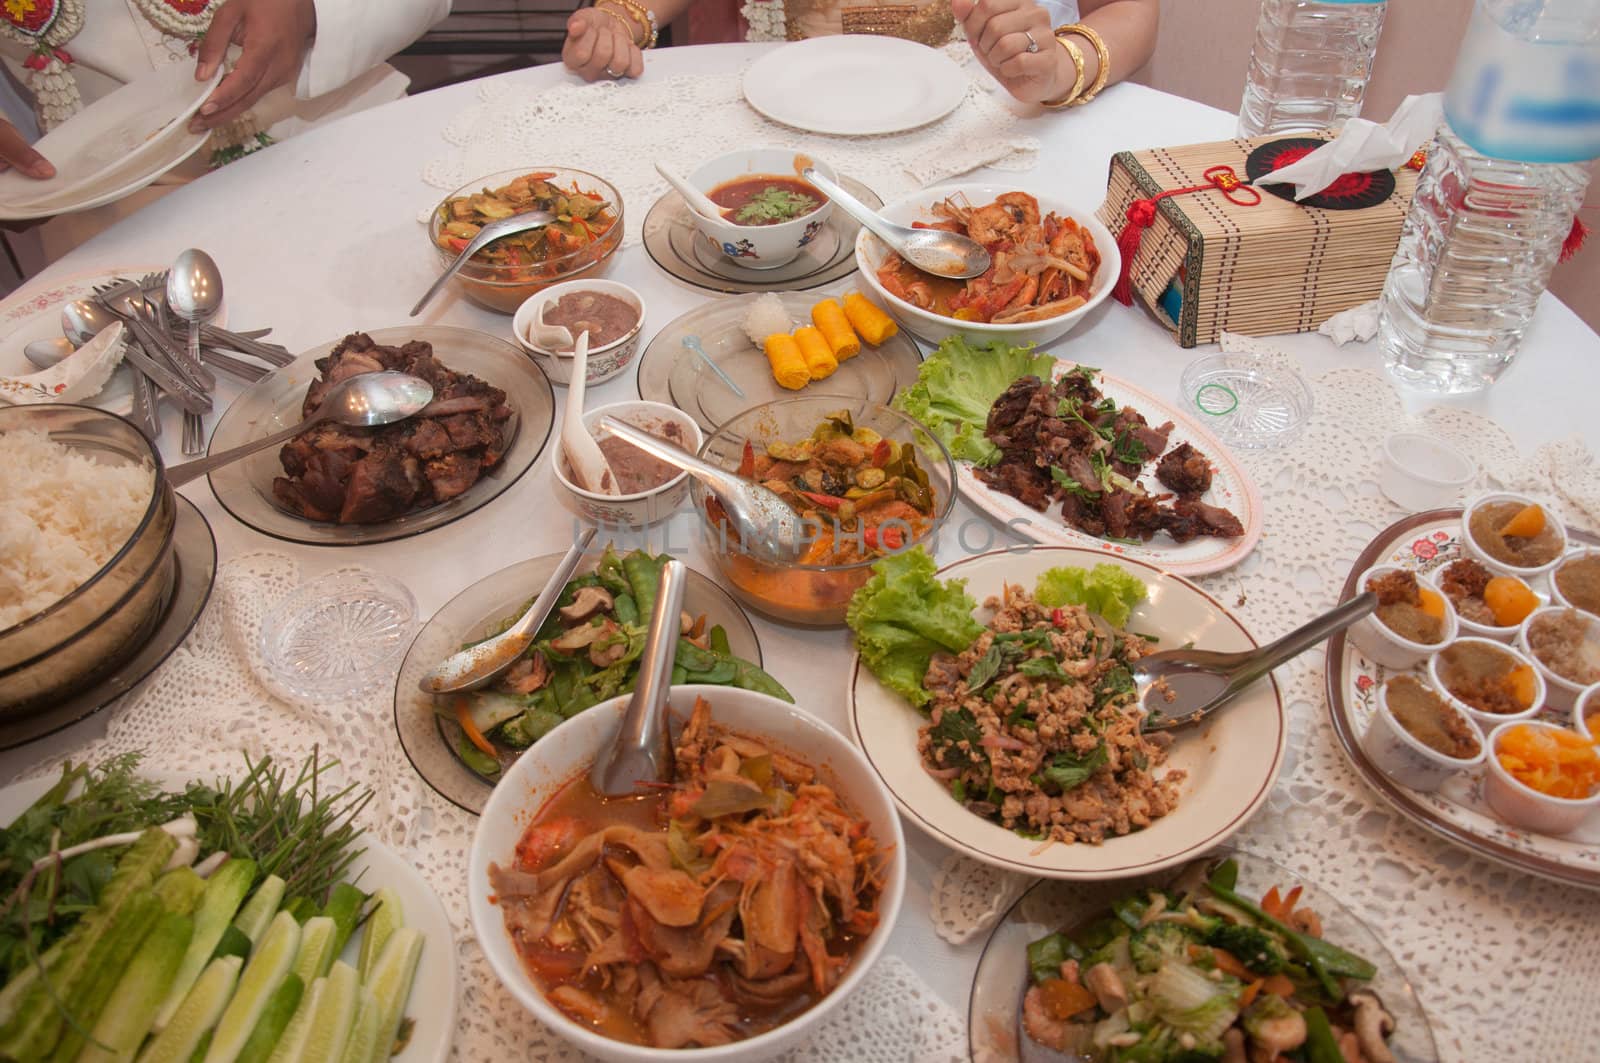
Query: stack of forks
x=158 y=351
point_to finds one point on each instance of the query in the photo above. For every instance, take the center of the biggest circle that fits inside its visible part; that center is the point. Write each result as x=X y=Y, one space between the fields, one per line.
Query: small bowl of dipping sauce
x=1575 y=582
x=1565 y=646
x=1513 y=534
x=1418 y=738
x=1413 y=621
x=1487 y=605
x=1421 y=472
x=1542 y=777
x=1586 y=713
x=650 y=489
x=610 y=311
x=1487 y=680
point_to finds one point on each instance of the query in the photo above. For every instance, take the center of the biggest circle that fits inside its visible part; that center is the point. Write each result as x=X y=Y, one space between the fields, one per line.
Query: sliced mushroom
x=1103 y=981
x=1373 y=1025
x=582 y=636
x=588 y=602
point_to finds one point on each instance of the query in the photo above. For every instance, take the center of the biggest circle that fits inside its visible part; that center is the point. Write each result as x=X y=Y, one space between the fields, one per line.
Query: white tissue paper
x=1363 y=146
x=1356 y=323
x=78 y=376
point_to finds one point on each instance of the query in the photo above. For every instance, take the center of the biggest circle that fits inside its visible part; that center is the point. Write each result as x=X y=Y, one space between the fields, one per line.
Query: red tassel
x=1574 y=240
x=1141 y=212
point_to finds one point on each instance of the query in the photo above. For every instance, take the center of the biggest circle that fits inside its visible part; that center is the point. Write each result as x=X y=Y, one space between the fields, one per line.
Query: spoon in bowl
x=944 y=254
x=478 y=666
x=590 y=469
x=642 y=749
x=495 y=230
x=365 y=400
x=767 y=525
x=1202 y=681
x=698 y=201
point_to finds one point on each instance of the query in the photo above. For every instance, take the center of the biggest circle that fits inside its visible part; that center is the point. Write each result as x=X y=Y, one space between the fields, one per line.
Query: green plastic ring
x=1200 y=401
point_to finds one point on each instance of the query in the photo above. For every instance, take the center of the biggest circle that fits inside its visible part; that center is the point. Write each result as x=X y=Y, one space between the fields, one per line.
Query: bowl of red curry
x=722 y=916
x=609 y=311
x=769 y=213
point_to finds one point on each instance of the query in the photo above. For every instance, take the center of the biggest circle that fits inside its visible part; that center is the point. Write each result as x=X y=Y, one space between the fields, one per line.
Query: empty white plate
x=855 y=85
x=116 y=145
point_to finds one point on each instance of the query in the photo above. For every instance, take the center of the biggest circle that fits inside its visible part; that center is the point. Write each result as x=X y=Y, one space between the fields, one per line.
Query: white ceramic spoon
x=590 y=470
x=698 y=201
x=549 y=337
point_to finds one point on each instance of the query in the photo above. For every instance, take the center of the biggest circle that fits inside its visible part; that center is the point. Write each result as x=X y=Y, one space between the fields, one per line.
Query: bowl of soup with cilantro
x=769 y=214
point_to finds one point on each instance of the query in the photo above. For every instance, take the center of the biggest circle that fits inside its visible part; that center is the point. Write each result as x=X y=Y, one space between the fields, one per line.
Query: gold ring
x=1033 y=45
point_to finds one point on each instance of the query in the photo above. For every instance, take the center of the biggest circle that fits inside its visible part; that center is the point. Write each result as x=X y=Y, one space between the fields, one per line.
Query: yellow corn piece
x=828 y=316
x=820 y=362
x=788 y=364
x=874 y=325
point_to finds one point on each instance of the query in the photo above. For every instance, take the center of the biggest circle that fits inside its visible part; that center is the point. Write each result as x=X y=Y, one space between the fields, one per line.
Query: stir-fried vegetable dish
x=1042 y=265
x=861 y=495
x=582 y=219
x=704 y=913
x=1199 y=972
x=588 y=651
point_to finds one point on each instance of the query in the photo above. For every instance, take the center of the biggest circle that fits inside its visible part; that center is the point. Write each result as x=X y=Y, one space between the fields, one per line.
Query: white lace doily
x=213 y=701
x=1505 y=964
x=665 y=119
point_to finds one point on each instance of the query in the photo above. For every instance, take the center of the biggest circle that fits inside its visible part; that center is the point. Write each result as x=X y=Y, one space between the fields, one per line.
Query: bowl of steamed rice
x=86 y=560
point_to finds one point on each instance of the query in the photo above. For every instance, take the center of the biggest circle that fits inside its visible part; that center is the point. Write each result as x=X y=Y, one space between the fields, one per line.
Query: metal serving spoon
x=495 y=230
x=944 y=254
x=1202 y=681
x=767 y=525
x=47 y=352
x=642 y=749
x=194 y=295
x=478 y=666
x=365 y=400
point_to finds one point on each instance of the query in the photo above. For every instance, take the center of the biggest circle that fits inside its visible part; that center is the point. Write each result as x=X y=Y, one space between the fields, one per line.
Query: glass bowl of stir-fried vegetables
x=588 y=228
x=867 y=481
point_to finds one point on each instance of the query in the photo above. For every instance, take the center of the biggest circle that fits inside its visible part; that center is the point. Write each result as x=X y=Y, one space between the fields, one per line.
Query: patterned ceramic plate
x=678 y=247
x=1457 y=812
x=1231 y=488
x=1230 y=763
x=994 y=1017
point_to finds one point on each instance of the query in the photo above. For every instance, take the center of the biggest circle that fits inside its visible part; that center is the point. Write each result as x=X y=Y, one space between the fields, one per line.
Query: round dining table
x=318 y=236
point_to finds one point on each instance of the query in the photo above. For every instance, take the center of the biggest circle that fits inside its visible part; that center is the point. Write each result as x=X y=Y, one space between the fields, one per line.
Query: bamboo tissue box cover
x=1219 y=255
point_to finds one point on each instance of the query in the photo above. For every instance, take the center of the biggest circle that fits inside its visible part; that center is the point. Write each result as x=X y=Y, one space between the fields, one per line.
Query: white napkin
x=1363 y=146
x=1356 y=323
x=78 y=376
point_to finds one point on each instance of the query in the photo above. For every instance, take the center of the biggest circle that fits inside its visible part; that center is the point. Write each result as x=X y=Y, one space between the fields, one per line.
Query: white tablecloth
x=318 y=236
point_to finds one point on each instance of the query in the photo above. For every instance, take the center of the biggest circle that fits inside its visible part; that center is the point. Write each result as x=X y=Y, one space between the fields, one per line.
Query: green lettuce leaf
x=958 y=383
x=1104 y=589
x=903 y=615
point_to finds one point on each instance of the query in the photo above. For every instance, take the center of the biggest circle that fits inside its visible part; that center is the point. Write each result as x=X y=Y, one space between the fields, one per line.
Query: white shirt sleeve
x=353 y=36
x=1062 y=12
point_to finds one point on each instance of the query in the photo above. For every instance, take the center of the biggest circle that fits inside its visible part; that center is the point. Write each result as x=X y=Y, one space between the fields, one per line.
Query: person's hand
x=273 y=36
x=17 y=152
x=600 y=46
x=1000 y=31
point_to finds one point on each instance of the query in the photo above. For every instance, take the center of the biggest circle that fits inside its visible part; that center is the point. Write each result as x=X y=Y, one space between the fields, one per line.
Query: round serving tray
x=1457 y=812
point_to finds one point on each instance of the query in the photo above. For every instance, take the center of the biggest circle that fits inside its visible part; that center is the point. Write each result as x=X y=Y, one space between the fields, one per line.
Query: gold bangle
x=1100 y=51
x=627 y=23
x=643 y=17
x=1076 y=54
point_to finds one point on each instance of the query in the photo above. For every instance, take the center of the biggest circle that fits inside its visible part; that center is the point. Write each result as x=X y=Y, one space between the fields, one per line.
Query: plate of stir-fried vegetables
x=1231 y=958
x=587 y=211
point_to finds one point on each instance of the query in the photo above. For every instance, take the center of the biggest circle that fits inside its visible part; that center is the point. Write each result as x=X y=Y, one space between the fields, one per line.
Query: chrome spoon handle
x=642 y=750
x=1265 y=658
x=870 y=219
x=719 y=480
x=495 y=230
x=530 y=622
x=144 y=413
x=189 y=470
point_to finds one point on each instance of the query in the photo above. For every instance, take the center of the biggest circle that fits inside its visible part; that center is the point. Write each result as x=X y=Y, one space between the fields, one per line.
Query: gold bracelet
x=643 y=17
x=1076 y=54
x=627 y=23
x=1100 y=51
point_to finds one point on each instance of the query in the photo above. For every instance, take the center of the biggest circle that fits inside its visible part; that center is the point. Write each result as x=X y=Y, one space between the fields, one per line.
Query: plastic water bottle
x=1309 y=64
x=1497 y=196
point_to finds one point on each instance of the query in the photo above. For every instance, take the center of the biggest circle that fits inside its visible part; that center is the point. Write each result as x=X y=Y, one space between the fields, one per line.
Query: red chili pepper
x=747 y=464
x=892 y=538
x=825 y=501
x=1059 y=618
x=882 y=453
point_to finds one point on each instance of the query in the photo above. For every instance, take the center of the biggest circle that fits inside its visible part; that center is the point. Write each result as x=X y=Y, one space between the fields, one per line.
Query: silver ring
x=612 y=74
x=1033 y=45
